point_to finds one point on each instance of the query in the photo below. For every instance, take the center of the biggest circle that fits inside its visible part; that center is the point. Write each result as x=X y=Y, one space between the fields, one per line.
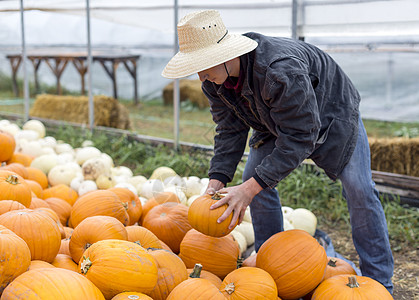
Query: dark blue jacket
x=298 y=95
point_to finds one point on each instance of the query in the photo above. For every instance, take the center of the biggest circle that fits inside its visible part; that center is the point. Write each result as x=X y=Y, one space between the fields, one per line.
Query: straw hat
x=204 y=42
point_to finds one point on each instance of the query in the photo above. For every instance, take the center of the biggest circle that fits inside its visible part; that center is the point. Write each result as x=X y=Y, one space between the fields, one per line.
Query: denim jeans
x=369 y=227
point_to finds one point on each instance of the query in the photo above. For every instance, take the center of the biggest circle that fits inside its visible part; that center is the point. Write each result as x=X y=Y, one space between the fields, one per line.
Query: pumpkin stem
x=230 y=288
x=125 y=205
x=240 y=261
x=352 y=282
x=85 y=265
x=87 y=246
x=332 y=262
x=12 y=179
x=217 y=196
x=196 y=272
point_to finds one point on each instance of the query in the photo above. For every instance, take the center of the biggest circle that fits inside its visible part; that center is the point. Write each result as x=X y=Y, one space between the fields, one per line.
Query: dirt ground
x=406 y=264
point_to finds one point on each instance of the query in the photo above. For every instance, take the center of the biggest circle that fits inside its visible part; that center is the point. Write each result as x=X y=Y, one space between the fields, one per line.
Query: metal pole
x=89 y=68
x=389 y=80
x=294 y=19
x=176 y=94
x=24 y=59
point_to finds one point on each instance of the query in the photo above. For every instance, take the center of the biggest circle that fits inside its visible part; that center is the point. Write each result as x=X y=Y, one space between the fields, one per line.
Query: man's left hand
x=238 y=199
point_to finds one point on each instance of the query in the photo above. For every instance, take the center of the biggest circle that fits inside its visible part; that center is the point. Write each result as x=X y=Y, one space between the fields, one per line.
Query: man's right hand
x=213 y=186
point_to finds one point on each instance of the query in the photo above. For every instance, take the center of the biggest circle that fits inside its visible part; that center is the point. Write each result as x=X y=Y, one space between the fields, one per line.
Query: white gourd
x=240 y=239
x=44 y=162
x=94 y=167
x=35 y=125
x=162 y=173
x=83 y=154
x=304 y=219
x=286 y=211
x=246 y=229
x=87 y=186
x=151 y=187
x=61 y=174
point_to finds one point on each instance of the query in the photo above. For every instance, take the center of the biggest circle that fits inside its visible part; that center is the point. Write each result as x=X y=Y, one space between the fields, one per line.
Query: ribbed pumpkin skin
x=131 y=202
x=249 y=283
x=160 y=198
x=337 y=287
x=61 y=207
x=143 y=237
x=14 y=187
x=15 y=256
x=9 y=205
x=16 y=168
x=98 y=203
x=131 y=296
x=217 y=255
x=35 y=187
x=295 y=260
x=208 y=276
x=66 y=262
x=61 y=191
x=92 y=230
x=7 y=146
x=169 y=222
x=38 y=230
x=203 y=219
x=337 y=266
x=38 y=176
x=21 y=158
x=65 y=247
x=195 y=288
x=171 y=272
x=39 y=264
x=51 y=283
x=117 y=266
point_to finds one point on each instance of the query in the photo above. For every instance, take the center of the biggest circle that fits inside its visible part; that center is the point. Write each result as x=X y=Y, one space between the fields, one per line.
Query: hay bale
x=395 y=155
x=189 y=90
x=107 y=110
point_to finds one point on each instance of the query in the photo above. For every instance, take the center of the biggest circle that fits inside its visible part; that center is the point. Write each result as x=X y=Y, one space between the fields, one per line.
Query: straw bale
x=188 y=90
x=107 y=110
x=395 y=155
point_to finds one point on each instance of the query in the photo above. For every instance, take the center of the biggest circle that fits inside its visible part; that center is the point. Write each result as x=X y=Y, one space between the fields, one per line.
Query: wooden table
x=57 y=62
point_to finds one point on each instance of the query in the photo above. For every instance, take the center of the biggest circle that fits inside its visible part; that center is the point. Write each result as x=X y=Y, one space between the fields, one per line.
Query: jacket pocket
x=323 y=135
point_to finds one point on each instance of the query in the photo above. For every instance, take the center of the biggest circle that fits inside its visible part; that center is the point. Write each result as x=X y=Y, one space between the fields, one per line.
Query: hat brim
x=185 y=64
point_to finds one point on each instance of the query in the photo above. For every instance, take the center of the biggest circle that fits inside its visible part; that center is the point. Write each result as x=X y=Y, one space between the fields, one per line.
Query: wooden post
x=15 y=63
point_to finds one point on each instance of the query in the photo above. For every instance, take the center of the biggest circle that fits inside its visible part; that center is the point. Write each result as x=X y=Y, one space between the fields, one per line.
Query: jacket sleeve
x=293 y=107
x=230 y=139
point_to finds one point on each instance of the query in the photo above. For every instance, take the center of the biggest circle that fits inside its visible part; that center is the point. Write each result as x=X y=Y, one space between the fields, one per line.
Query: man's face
x=215 y=74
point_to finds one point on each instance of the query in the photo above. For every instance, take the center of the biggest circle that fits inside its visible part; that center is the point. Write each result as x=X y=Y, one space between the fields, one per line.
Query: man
x=300 y=105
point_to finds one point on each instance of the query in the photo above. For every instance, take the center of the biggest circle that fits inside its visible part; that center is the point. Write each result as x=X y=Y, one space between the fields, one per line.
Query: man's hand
x=213 y=186
x=238 y=199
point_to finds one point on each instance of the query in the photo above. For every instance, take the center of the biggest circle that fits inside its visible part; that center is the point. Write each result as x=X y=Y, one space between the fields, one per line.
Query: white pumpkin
x=93 y=167
x=29 y=135
x=247 y=216
x=175 y=181
x=44 y=162
x=105 y=182
x=286 y=211
x=35 y=125
x=63 y=148
x=11 y=128
x=240 y=239
x=120 y=178
x=128 y=186
x=137 y=181
x=205 y=181
x=48 y=141
x=304 y=219
x=108 y=159
x=32 y=148
x=193 y=186
x=151 y=187
x=122 y=171
x=4 y=122
x=191 y=199
x=47 y=150
x=287 y=225
x=61 y=174
x=83 y=154
x=87 y=186
x=76 y=182
x=65 y=157
x=87 y=143
x=162 y=173
x=246 y=229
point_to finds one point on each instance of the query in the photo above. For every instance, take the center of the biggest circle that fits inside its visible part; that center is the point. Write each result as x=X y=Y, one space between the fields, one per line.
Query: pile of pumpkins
x=74 y=226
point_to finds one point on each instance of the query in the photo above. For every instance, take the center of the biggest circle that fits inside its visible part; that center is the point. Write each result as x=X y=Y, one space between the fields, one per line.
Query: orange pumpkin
x=204 y=219
x=16 y=168
x=8 y=205
x=38 y=203
x=52 y=283
x=38 y=230
x=249 y=283
x=131 y=203
x=171 y=271
x=65 y=261
x=39 y=264
x=65 y=247
x=95 y=203
x=92 y=230
x=131 y=296
x=143 y=237
x=14 y=187
x=21 y=158
x=36 y=188
x=15 y=256
x=136 y=269
x=351 y=287
x=7 y=146
x=159 y=198
x=169 y=222
x=337 y=266
x=61 y=207
x=48 y=211
x=217 y=255
x=61 y=191
x=196 y=288
x=68 y=231
x=38 y=176
x=206 y=275
x=295 y=260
